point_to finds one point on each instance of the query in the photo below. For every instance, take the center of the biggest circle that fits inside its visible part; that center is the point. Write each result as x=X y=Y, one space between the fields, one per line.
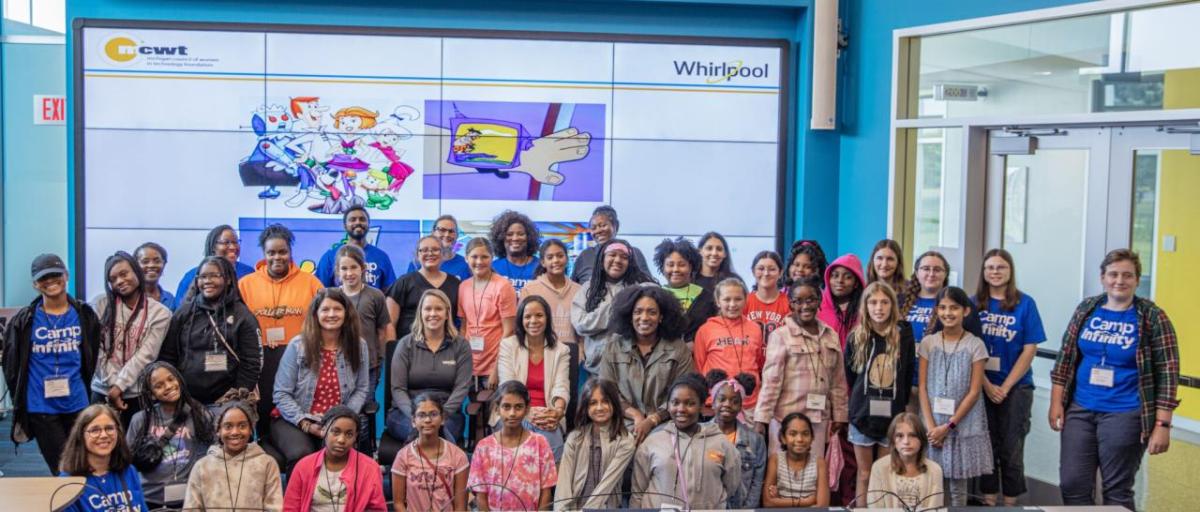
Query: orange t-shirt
x=769 y=315
x=280 y=305
x=482 y=311
x=735 y=346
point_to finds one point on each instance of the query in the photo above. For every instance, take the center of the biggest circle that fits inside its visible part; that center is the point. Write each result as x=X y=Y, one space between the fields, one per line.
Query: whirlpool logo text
x=715 y=72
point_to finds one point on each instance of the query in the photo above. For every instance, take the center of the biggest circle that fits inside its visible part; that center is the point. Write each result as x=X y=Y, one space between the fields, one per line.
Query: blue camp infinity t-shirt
x=1110 y=338
x=519 y=275
x=1005 y=333
x=56 y=341
x=919 y=316
x=379 y=272
x=112 y=492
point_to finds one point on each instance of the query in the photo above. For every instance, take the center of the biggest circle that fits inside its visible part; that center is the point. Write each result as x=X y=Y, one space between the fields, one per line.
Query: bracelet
x=952 y=425
x=1163 y=424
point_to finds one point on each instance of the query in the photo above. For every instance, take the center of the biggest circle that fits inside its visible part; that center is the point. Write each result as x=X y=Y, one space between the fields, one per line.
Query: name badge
x=274 y=336
x=671 y=506
x=477 y=343
x=815 y=401
x=174 y=493
x=57 y=387
x=1101 y=376
x=993 y=364
x=943 y=406
x=881 y=408
x=215 y=361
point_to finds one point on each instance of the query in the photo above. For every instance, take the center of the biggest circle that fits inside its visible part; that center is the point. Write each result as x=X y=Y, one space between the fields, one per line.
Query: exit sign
x=48 y=109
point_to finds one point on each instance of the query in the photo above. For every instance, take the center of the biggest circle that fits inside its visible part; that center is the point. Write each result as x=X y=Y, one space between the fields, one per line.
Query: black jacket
x=191 y=337
x=17 y=346
x=899 y=394
x=704 y=306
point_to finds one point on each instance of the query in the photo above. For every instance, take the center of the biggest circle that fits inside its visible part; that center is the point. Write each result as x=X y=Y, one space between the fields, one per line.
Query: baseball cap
x=46 y=264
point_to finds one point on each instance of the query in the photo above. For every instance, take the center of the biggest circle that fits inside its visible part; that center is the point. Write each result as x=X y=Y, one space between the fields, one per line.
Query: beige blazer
x=513 y=364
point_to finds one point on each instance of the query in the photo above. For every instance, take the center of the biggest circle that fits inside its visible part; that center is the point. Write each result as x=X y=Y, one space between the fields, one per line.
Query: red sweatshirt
x=735 y=346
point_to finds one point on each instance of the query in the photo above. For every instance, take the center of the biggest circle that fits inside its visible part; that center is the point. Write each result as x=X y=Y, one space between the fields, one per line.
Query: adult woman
x=96 y=449
x=515 y=238
x=805 y=259
x=445 y=230
x=338 y=477
x=678 y=261
x=222 y=241
x=843 y=291
x=1012 y=328
x=552 y=285
x=168 y=436
x=153 y=260
x=132 y=327
x=533 y=356
x=236 y=474
x=603 y=227
x=803 y=371
x=487 y=306
x=591 y=310
x=278 y=293
x=50 y=351
x=1115 y=384
x=686 y=462
x=214 y=339
x=768 y=305
x=715 y=265
x=324 y=366
x=728 y=341
x=646 y=356
x=404 y=296
x=431 y=358
x=887 y=264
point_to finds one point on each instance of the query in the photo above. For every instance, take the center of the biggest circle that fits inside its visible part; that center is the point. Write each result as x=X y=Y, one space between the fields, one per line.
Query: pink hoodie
x=361 y=476
x=828 y=310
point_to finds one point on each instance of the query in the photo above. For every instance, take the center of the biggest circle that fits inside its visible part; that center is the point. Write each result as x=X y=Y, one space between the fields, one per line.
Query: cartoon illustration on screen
x=335 y=161
x=514 y=151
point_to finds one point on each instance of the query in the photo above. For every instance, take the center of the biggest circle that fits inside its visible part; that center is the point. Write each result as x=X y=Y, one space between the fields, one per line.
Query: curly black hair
x=717 y=375
x=500 y=226
x=276 y=231
x=671 y=325
x=815 y=253
x=693 y=381
x=680 y=245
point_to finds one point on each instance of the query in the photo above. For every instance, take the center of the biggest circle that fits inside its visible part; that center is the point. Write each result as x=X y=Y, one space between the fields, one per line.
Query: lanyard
x=815 y=363
x=445 y=482
x=680 y=471
x=477 y=298
x=946 y=355
x=54 y=327
x=738 y=346
x=136 y=336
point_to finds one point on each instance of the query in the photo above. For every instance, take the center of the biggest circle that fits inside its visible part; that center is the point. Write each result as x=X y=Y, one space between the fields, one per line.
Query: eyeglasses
x=208 y=277
x=428 y=250
x=444 y=231
x=95 y=432
x=428 y=415
x=227 y=243
x=932 y=270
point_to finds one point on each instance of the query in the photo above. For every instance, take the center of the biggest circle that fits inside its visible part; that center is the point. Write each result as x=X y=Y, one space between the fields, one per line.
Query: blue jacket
x=295 y=383
x=753 y=450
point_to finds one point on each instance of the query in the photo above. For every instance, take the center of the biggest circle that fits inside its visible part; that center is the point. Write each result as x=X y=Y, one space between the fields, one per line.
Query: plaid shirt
x=1157 y=358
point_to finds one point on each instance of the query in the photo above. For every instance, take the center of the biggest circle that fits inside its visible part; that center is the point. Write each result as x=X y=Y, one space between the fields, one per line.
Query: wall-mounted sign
x=49 y=109
x=958 y=92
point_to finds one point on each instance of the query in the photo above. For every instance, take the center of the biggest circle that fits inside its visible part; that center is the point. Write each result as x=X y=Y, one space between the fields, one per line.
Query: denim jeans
x=1111 y=442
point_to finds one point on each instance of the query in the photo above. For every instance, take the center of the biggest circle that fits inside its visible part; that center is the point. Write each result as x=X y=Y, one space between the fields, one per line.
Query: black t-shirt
x=882 y=379
x=407 y=291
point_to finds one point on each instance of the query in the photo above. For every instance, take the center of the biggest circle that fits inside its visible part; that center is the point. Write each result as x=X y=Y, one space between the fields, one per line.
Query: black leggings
x=291 y=443
x=51 y=431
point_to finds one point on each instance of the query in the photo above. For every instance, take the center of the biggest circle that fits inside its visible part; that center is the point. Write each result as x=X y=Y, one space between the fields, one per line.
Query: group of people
x=816 y=383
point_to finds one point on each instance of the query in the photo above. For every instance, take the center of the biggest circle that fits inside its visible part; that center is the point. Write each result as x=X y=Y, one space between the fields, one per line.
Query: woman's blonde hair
x=418 y=327
x=860 y=337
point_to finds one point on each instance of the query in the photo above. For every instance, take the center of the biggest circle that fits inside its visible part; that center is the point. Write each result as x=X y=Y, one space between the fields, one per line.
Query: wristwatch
x=1163 y=424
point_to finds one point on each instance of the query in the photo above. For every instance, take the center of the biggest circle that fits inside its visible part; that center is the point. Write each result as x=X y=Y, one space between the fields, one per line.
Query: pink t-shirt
x=429 y=484
x=482 y=311
x=524 y=471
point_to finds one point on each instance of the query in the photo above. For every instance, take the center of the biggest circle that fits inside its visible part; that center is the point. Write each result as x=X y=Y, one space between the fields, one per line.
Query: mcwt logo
x=123 y=49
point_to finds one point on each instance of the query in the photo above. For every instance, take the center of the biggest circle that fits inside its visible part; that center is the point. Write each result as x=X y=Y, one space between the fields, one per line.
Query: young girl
x=879 y=355
x=153 y=260
x=133 y=328
x=797 y=476
x=768 y=305
x=803 y=371
x=374 y=320
x=512 y=469
x=727 y=397
x=887 y=264
x=843 y=290
x=337 y=478
x=168 y=435
x=678 y=261
x=591 y=310
x=715 y=265
x=950 y=383
x=931 y=273
x=686 y=463
x=487 y=305
x=729 y=342
x=552 y=284
x=1012 y=328
x=806 y=259
x=430 y=474
x=905 y=478
x=236 y=473
x=96 y=449
x=596 y=453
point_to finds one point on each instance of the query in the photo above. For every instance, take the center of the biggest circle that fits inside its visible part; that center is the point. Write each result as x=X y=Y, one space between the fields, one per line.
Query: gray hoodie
x=711 y=464
x=252 y=476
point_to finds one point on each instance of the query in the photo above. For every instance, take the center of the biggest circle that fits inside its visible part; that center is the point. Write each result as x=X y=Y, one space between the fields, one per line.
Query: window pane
x=938 y=188
x=17 y=10
x=50 y=15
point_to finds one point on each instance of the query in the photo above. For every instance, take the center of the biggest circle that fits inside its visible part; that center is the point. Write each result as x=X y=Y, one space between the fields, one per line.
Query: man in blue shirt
x=379 y=273
x=50 y=350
